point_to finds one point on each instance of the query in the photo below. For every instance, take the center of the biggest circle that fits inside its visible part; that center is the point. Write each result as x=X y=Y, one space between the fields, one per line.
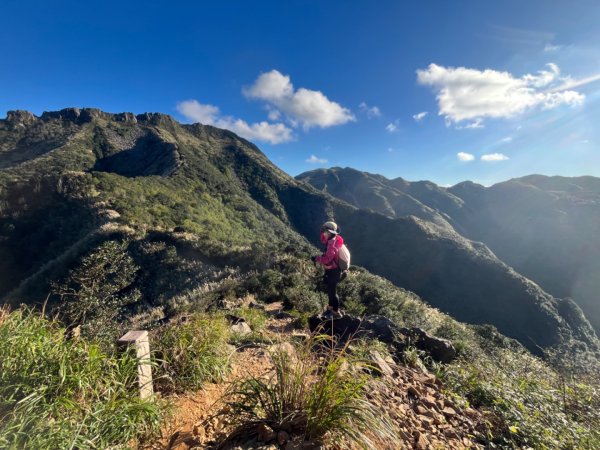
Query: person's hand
x=313 y=259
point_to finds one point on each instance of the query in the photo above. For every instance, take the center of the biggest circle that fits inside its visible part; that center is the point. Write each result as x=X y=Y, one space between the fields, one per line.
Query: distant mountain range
x=195 y=200
x=546 y=228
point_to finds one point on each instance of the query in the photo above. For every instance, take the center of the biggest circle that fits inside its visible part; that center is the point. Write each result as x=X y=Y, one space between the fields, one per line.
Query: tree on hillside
x=94 y=294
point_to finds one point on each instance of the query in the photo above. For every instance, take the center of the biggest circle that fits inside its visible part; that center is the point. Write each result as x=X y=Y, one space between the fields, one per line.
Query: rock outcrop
x=384 y=330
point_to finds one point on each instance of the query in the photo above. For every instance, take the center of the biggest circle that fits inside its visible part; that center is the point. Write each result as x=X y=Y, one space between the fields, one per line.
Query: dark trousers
x=331 y=280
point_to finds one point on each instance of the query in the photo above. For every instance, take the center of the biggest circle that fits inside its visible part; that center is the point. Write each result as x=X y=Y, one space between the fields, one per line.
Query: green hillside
x=193 y=204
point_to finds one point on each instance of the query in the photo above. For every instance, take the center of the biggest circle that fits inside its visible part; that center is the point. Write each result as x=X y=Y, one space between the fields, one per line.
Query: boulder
x=382 y=366
x=386 y=331
x=284 y=348
x=266 y=433
x=382 y=328
x=241 y=328
x=282 y=438
x=439 y=349
x=342 y=329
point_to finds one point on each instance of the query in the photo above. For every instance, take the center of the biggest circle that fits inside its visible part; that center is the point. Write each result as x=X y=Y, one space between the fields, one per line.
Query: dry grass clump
x=312 y=395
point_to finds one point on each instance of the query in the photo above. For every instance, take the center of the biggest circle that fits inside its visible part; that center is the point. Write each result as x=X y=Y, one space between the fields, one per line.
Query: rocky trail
x=426 y=418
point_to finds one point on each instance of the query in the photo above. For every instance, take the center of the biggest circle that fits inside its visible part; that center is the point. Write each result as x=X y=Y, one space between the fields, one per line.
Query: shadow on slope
x=149 y=156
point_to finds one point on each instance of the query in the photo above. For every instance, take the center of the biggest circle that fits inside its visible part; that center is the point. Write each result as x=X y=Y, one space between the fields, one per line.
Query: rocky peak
x=81 y=116
x=20 y=117
x=125 y=117
x=155 y=118
x=75 y=115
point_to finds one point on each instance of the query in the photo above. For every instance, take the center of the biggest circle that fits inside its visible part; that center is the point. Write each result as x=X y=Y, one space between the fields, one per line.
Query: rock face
x=20 y=117
x=386 y=331
x=343 y=328
x=76 y=115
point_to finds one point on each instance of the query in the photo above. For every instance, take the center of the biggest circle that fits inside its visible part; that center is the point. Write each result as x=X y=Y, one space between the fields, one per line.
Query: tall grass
x=317 y=396
x=60 y=394
x=192 y=353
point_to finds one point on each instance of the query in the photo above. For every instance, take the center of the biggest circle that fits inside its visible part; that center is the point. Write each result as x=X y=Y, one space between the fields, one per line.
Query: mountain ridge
x=222 y=190
x=508 y=217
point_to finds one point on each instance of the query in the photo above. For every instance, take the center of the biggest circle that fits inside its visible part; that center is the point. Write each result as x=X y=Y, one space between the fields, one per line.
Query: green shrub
x=267 y=286
x=304 y=299
x=94 y=294
x=58 y=394
x=361 y=349
x=300 y=319
x=531 y=400
x=192 y=353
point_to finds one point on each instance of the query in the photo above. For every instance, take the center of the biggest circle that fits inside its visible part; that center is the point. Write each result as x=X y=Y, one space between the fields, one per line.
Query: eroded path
x=427 y=419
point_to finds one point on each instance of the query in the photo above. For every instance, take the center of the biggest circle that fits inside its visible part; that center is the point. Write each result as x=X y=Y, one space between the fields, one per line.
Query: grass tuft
x=316 y=396
x=193 y=352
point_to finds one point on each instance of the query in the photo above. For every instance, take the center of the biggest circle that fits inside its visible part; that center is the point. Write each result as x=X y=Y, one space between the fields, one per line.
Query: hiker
x=331 y=263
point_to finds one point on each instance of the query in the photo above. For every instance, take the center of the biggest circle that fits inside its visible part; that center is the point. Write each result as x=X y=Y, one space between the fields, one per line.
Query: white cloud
x=544 y=77
x=274 y=114
x=506 y=140
x=552 y=48
x=493 y=157
x=465 y=156
x=275 y=133
x=315 y=160
x=465 y=94
x=570 y=83
x=370 y=111
x=477 y=123
x=392 y=127
x=196 y=111
x=301 y=106
x=420 y=116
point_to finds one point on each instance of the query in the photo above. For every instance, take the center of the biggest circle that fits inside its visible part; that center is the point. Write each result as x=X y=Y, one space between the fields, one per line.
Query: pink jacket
x=329 y=259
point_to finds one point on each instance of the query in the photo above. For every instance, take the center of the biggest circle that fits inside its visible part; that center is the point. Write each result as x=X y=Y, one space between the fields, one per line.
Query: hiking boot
x=327 y=314
x=336 y=315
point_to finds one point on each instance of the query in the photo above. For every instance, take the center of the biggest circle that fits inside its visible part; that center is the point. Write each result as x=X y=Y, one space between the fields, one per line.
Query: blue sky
x=509 y=88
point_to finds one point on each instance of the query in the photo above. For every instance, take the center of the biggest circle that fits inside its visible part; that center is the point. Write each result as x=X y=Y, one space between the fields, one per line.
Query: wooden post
x=139 y=339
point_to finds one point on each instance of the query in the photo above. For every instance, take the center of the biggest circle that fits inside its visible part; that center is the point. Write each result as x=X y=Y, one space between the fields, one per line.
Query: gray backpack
x=344 y=258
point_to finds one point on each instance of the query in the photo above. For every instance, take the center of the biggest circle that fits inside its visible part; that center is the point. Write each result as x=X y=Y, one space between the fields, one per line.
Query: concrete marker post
x=139 y=340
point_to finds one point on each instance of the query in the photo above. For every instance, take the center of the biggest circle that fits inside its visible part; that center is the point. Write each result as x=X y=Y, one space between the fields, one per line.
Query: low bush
x=57 y=393
x=305 y=299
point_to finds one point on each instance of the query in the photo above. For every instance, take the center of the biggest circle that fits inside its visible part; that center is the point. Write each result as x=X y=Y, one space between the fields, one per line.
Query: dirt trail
x=427 y=419
x=190 y=412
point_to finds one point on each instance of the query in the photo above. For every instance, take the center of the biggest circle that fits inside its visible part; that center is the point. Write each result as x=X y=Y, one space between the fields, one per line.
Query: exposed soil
x=427 y=419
